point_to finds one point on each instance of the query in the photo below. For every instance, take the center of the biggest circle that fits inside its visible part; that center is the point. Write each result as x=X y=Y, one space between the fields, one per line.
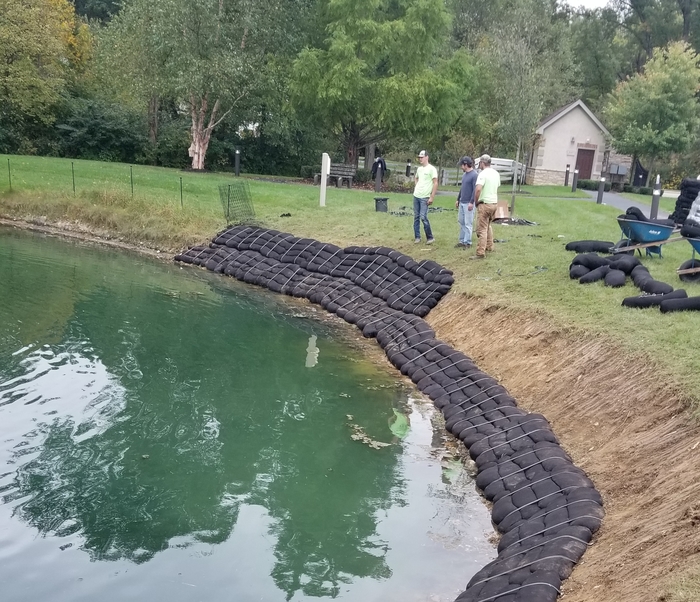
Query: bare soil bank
x=620 y=421
x=615 y=413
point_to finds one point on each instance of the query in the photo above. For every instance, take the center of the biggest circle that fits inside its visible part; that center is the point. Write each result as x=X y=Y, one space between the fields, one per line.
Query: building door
x=584 y=163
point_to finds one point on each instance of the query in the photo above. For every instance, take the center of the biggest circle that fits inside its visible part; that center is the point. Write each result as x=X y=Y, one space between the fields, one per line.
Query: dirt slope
x=628 y=428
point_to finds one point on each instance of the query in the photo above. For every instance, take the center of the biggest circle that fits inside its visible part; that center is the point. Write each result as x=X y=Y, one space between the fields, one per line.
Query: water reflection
x=174 y=414
x=311 y=352
x=149 y=422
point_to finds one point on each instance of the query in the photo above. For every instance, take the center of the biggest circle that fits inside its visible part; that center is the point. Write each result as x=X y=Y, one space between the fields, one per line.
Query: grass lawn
x=529 y=269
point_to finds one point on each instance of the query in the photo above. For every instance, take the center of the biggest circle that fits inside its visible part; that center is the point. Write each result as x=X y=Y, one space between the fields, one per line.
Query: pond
x=173 y=434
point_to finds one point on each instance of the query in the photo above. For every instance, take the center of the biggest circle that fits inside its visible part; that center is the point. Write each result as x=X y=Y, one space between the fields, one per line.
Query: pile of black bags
x=690 y=187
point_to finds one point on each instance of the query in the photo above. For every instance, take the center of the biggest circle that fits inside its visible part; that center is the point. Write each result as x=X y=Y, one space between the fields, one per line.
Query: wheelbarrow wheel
x=689 y=265
x=617 y=248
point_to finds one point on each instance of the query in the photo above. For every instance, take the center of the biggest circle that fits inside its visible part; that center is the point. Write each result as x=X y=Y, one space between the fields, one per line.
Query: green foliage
x=95 y=129
x=102 y=10
x=655 y=113
x=307 y=171
x=381 y=72
x=31 y=54
x=596 y=52
x=362 y=176
x=592 y=185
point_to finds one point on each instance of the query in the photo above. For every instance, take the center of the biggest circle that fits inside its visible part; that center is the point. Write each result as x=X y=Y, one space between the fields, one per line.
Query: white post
x=655 y=198
x=325 y=170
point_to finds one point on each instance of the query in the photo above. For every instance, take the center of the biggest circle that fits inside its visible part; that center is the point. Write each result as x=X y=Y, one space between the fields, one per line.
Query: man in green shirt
x=423 y=195
x=486 y=199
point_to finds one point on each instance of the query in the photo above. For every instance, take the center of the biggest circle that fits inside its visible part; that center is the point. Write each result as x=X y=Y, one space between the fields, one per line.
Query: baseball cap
x=467 y=160
x=423 y=154
x=485 y=158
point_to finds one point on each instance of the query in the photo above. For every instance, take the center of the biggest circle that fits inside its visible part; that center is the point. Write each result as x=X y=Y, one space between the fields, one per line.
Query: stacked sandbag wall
x=546 y=508
x=690 y=187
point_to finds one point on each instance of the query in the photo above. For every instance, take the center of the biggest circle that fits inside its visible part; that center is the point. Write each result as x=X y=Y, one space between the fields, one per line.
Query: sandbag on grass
x=642 y=301
x=595 y=275
x=687 y=304
x=589 y=246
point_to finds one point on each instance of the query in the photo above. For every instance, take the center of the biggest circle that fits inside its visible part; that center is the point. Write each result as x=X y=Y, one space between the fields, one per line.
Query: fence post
x=9 y=173
x=378 y=179
x=238 y=162
x=574 y=181
x=601 y=190
x=72 y=171
x=655 y=198
x=566 y=176
x=325 y=170
x=408 y=168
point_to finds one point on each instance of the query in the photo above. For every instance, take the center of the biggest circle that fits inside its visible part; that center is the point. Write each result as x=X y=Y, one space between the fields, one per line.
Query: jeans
x=420 y=214
x=465 y=218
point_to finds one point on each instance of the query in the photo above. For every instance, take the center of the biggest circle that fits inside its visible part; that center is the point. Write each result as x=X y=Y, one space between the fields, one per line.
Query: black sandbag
x=690 y=230
x=589 y=246
x=595 y=275
x=624 y=262
x=655 y=287
x=687 y=304
x=590 y=260
x=576 y=271
x=615 y=278
x=642 y=301
x=639 y=274
x=636 y=212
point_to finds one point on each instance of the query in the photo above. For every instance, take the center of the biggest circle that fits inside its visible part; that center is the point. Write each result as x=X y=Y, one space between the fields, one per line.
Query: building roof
x=558 y=114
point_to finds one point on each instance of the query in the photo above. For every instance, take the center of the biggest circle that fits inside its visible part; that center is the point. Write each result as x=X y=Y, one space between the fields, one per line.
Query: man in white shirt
x=423 y=196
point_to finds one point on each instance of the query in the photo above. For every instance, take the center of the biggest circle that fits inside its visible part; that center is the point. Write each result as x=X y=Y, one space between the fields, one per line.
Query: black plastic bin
x=380 y=203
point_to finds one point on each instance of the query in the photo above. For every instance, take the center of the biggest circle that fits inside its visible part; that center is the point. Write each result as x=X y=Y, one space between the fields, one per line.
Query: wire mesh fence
x=237 y=203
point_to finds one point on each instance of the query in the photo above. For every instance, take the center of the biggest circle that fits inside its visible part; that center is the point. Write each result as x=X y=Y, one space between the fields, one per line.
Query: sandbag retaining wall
x=546 y=508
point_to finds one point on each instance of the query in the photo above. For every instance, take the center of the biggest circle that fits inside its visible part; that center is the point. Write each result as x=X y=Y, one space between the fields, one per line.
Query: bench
x=340 y=173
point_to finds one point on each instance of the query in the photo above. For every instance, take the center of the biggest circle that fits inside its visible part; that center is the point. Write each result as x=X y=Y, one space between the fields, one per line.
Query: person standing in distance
x=423 y=196
x=465 y=203
x=486 y=201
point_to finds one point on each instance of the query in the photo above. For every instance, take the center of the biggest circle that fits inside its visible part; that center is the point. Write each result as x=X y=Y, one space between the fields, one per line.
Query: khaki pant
x=484 y=232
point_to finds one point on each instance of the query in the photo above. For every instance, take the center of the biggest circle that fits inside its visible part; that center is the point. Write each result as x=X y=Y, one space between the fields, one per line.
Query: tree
x=597 y=53
x=533 y=70
x=41 y=43
x=381 y=71
x=207 y=55
x=655 y=113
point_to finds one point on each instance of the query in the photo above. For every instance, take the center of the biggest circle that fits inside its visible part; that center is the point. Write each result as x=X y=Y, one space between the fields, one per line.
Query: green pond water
x=170 y=434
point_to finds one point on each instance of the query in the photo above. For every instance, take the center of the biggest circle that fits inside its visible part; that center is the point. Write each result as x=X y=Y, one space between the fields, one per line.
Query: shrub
x=362 y=176
x=646 y=190
x=308 y=171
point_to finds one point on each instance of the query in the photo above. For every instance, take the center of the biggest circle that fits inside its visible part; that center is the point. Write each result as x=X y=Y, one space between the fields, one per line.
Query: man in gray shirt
x=465 y=203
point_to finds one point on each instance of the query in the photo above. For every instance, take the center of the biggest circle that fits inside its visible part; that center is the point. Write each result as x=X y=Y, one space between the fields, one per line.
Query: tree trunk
x=201 y=129
x=515 y=177
x=153 y=104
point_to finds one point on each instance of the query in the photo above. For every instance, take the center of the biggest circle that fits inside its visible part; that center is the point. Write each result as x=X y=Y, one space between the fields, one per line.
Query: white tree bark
x=203 y=124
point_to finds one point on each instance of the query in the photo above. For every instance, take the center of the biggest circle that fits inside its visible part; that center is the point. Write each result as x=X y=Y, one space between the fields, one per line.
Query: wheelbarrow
x=638 y=235
x=689 y=271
